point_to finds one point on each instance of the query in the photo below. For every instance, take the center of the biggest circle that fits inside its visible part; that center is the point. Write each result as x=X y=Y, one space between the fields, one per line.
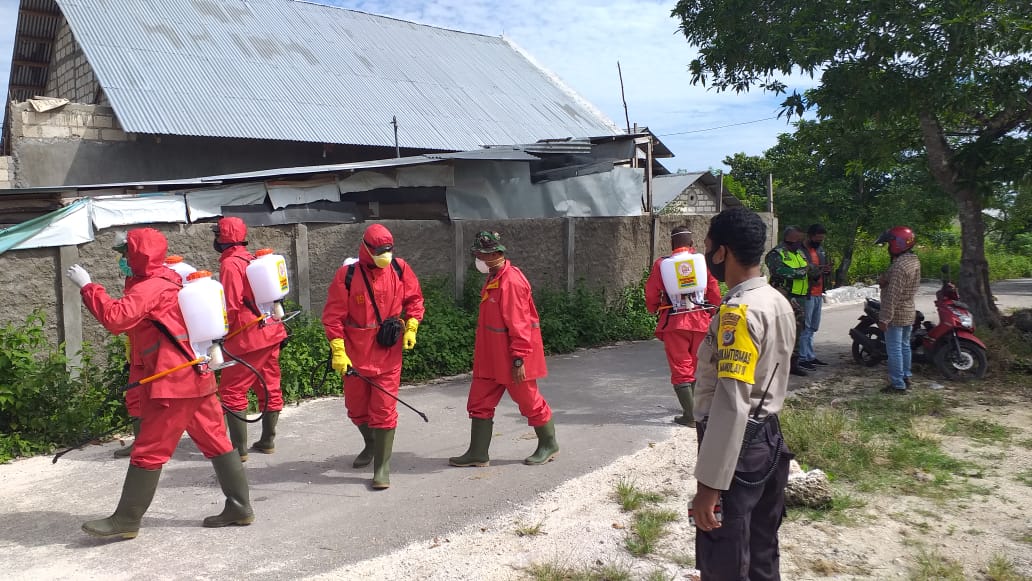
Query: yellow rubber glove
x=409 y=340
x=340 y=360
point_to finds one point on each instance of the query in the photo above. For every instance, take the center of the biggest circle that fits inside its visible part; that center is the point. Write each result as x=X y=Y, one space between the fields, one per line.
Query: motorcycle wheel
x=969 y=362
x=862 y=355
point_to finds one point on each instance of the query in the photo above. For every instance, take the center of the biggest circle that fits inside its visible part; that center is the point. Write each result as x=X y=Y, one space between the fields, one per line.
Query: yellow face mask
x=382 y=260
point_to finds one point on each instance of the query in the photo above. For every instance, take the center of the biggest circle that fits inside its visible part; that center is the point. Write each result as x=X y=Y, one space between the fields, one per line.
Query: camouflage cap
x=487 y=242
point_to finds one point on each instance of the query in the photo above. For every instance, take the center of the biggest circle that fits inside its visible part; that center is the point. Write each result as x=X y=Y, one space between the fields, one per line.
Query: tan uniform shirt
x=748 y=345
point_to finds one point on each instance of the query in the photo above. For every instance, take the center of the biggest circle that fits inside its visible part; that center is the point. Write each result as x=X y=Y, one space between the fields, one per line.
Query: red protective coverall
x=349 y=315
x=182 y=401
x=682 y=333
x=134 y=397
x=508 y=327
x=259 y=344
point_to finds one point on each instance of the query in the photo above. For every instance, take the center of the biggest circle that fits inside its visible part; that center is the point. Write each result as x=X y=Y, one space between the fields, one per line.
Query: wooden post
x=461 y=259
x=720 y=194
x=303 y=266
x=570 y=249
x=71 y=309
x=770 y=193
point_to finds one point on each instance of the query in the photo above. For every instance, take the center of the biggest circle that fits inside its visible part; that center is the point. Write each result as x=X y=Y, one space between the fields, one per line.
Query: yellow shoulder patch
x=736 y=352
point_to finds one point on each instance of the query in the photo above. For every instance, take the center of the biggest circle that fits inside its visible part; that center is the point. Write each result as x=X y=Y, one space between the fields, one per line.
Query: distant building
x=690 y=193
x=186 y=88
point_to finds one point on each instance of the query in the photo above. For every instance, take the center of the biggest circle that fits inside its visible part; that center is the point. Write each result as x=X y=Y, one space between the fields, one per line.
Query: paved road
x=316 y=513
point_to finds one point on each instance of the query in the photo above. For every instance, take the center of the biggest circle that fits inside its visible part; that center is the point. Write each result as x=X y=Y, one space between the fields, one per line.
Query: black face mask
x=717 y=270
x=220 y=247
x=815 y=243
x=793 y=246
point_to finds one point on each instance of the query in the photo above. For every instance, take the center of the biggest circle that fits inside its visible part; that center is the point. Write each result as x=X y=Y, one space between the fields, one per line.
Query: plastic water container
x=175 y=262
x=267 y=274
x=684 y=274
x=203 y=304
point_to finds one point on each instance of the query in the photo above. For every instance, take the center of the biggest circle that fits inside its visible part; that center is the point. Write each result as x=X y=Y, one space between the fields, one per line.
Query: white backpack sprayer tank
x=684 y=279
x=175 y=262
x=267 y=274
x=203 y=304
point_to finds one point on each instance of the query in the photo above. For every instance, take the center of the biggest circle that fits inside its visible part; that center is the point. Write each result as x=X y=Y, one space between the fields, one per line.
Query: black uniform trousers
x=745 y=547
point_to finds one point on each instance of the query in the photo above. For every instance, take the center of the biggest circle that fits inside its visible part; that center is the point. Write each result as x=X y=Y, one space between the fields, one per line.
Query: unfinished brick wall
x=695 y=199
x=6 y=173
x=92 y=122
x=71 y=76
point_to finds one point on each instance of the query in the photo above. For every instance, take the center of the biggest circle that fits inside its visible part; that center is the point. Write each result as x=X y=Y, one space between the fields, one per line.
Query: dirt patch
x=580 y=526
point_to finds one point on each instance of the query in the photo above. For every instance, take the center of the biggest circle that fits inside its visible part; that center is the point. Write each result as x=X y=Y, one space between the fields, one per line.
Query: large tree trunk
x=973 y=281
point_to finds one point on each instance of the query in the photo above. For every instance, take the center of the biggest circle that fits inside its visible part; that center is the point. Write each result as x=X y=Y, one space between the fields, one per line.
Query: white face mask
x=482 y=266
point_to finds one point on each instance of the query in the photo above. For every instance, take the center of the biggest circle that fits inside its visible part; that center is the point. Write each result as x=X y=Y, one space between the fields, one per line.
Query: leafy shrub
x=42 y=404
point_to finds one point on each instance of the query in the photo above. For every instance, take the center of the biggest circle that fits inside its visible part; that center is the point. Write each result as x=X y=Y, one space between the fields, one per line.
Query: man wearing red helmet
x=181 y=401
x=896 y=317
x=256 y=343
x=364 y=301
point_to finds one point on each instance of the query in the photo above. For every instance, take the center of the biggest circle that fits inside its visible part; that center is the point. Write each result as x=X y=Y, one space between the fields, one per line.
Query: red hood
x=231 y=230
x=146 y=252
x=375 y=235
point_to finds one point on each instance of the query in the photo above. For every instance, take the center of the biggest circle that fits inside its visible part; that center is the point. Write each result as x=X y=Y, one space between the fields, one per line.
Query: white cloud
x=581 y=43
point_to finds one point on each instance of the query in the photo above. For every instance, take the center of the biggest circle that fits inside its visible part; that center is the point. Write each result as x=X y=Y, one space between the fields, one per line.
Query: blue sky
x=581 y=43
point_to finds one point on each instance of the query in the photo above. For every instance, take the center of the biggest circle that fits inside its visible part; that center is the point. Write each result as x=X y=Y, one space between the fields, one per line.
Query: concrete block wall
x=6 y=172
x=605 y=253
x=71 y=76
x=695 y=199
x=73 y=121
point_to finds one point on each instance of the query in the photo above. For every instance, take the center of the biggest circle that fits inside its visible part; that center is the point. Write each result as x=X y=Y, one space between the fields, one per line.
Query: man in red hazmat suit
x=509 y=356
x=133 y=397
x=181 y=401
x=365 y=301
x=681 y=332
x=250 y=339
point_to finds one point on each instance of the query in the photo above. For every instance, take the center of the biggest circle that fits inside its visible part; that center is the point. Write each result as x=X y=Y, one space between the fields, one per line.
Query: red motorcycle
x=951 y=345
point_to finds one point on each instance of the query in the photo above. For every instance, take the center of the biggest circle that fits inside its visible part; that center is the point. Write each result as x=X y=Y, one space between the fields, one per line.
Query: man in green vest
x=789 y=272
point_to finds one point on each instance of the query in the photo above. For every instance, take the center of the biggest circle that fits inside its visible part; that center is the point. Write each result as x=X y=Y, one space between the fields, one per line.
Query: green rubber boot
x=479 y=443
x=383 y=443
x=126 y=451
x=685 y=393
x=365 y=457
x=547 y=447
x=238 y=434
x=230 y=473
x=137 y=493
x=267 y=443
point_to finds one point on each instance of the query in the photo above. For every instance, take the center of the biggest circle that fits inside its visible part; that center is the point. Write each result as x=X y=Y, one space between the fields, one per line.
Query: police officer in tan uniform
x=742 y=379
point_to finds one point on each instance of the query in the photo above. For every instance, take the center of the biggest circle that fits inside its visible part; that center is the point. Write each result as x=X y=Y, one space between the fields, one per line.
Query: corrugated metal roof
x=296 y=71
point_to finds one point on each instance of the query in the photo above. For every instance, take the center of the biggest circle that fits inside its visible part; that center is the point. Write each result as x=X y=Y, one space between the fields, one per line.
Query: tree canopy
x=946 y=81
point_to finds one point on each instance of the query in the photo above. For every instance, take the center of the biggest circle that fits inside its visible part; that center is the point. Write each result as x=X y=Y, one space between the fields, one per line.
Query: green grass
x=529 y=530
x=658 y=575
x=932 y=566
x=556 y=571
x=685 y=560
x=874 y=442
x=842 y=511
x=980 y=430
x=1024 y=477
x=1000 y=568
x=631 y=498
x=1026 y=443
x=649 y=526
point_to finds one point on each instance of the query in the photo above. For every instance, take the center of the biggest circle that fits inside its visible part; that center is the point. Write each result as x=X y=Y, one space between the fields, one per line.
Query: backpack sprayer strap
x=389 y=330
x=179 y=344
